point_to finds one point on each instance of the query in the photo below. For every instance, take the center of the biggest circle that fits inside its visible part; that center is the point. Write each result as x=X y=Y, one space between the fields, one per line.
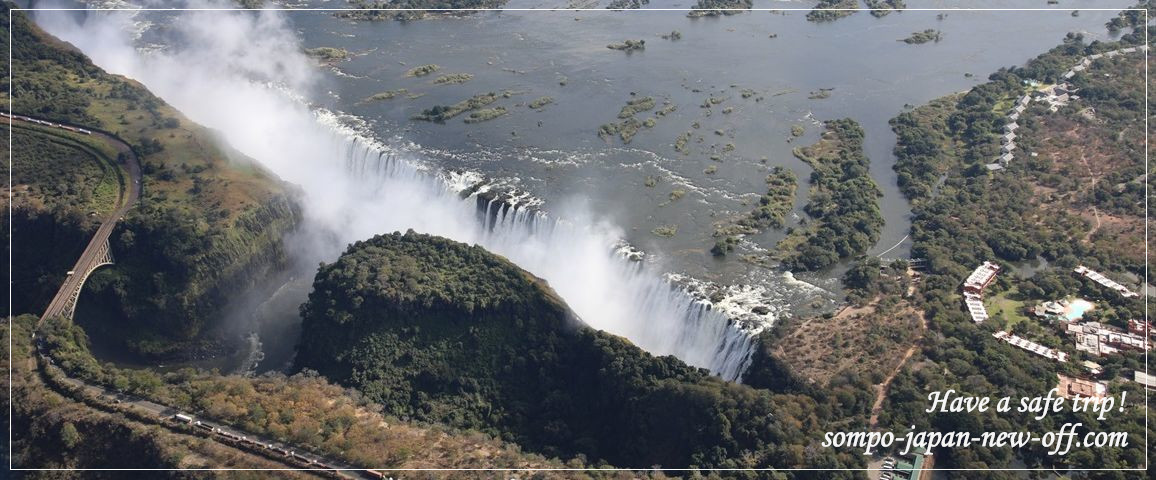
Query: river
x=776 y=60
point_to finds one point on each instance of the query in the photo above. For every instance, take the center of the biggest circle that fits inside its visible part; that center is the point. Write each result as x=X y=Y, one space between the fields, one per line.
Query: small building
x=1112 y=53
x=1128 y=50
x=1008 y=137
x=991 y=167
x=1048 y=309
x=1007 y=147
x=1011 y=127
x=1096 y=56
x=1071 y=387
x=975 y=307
x=1098 y=339
x=909 y=467
x=1031 y=346
x=1148 y=381
x=1019 y=108
x=1105 y=281
x=1078 y=68
x=1139 y=327
x=1024 y=100
x=1015 y=115
x=1092 y=367
x=180 y=417
x=1007 y=158
x=980 y=278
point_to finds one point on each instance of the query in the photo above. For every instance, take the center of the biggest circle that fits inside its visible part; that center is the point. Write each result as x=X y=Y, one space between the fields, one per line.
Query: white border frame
x=1147 y=445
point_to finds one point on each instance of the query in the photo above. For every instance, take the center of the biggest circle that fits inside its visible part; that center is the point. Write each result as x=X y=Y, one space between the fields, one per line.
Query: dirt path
x=1095 y=211
x=881 y=389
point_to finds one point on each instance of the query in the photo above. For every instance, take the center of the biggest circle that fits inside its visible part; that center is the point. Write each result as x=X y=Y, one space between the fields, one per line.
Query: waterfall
x=243 y=76
x=608 y=291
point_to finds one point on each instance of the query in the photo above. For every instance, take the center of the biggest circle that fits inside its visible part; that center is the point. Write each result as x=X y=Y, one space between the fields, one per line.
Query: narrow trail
x=1095 y=211
x=881 y=389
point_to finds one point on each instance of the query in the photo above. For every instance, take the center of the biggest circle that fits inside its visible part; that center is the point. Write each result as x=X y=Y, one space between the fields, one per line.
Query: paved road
x=94 y=251
x=287 y=454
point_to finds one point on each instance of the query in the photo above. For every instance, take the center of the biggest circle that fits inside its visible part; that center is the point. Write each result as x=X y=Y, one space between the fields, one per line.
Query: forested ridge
x=439 y=331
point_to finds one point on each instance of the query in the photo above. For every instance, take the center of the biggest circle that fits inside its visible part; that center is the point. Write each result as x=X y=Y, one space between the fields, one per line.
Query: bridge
x=97 y=253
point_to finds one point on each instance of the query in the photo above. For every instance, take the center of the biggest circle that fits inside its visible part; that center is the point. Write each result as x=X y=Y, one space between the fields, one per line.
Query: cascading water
x=606 y=290
x=241 y=75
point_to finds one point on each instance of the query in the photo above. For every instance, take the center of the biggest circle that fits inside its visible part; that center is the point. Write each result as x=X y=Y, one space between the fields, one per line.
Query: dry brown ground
x=866 y=340
x=1083 y=152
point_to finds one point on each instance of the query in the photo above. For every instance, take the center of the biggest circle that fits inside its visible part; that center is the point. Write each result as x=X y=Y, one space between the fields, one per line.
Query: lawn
x=1006 y=305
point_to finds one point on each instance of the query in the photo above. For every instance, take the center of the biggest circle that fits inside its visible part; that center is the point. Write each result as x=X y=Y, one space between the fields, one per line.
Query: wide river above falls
x=772 y=71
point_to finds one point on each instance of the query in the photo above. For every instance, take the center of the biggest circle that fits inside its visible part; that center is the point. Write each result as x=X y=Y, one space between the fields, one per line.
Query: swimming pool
x=1077 y=308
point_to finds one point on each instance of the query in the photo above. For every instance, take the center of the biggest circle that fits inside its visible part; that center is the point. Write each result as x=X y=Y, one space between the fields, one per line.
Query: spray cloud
x=243 y=74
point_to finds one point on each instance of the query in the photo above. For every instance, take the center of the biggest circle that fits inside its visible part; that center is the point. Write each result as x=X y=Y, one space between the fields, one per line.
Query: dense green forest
x=203 y=227
x=843 y=202
x=964 y=215
x=439 y=331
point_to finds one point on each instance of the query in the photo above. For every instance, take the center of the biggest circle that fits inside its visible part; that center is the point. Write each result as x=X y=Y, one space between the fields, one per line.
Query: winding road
x=96 y=254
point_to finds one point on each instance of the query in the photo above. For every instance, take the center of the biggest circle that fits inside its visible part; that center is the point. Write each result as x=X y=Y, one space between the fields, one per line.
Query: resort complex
x=1054 y=96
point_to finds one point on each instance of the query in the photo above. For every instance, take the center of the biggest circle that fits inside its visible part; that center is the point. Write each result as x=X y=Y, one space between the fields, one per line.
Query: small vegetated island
x=475 y=105
x=629 y=126
x=919 y=38
x=881 y=8
x=540 y=102
x=823 y=13
x=386 y=95
x=771 y=211
x=328 y=55
x=453 y=79
x=407 y=10
x=626 y=4
x=715 y=8
x=628 y=45
x=439 y=331
x=843 y=202
x=422 y=70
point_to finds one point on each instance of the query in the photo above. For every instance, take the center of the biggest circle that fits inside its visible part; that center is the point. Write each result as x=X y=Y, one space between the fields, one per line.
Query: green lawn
x=1004 y=304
